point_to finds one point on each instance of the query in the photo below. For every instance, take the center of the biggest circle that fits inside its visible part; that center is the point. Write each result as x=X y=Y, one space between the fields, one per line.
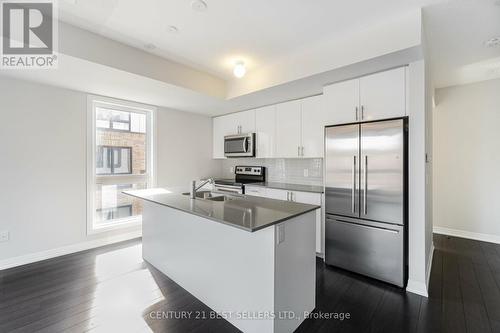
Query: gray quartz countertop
x=245 y=212
x=290 y=187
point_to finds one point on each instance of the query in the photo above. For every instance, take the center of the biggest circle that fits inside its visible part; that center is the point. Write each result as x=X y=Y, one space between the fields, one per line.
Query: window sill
x=121 y=224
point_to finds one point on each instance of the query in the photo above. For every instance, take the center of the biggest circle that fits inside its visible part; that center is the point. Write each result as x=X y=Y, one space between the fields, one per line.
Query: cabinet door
x=288 y=127
x=256 y=191
x=383 y=95
x=246 y=121
x=341 y=102
x=273 y=193
x=314 y=118
x=218 y=137
x=265 y=129
x=313 y=199
x=306 y=197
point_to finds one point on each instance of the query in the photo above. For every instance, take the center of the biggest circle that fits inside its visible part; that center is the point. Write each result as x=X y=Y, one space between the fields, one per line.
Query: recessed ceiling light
x=199 y=5
x=239 y=69
x=172 y=29
x=492 y=42
x=149 y=46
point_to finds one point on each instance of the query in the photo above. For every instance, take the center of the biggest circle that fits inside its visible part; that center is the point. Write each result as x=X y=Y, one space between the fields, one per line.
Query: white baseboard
x=429 y=266
x=467 y=234
x=60 y=251
x=417 y=287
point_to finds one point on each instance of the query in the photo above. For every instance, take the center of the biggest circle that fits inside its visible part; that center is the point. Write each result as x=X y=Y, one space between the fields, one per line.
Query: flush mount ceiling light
x=239 y=69
x=172 y=29
x=493 y=42
x=199 y=5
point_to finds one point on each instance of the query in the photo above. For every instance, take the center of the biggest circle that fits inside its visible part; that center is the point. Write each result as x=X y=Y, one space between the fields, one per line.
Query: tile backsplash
x=307 y=171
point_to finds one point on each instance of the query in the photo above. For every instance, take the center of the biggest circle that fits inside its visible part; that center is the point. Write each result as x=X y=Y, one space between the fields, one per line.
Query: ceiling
x=456 y=33
x=259 y=32
x=292 y=48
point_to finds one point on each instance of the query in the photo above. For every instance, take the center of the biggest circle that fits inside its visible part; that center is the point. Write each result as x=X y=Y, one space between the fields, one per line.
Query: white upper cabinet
x=341 y=102
x=382 y=95
x=288 y=129
x=377 y=96
x=265 y=130
x=246 y=121
x=314 y=118
x=222 y=126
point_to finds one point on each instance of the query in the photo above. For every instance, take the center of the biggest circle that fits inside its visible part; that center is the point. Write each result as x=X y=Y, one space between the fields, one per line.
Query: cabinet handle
x=287 y=196
x=362 y=112
x=357 y=111
x=302 y=151
x=298 y=150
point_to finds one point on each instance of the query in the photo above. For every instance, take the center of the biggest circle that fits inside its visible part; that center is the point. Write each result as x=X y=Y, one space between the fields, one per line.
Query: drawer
x=369 y=248
x=256 y=191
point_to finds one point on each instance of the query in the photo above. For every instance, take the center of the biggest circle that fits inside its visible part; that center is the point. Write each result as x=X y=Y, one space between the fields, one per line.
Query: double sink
x=208 y=195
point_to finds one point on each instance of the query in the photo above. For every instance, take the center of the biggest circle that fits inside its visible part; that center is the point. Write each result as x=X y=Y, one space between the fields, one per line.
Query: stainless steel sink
x=200 y=194
x=218 y=198
x=207 y=195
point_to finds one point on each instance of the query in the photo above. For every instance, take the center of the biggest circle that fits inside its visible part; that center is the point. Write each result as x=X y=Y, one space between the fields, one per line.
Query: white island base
x=262 y=281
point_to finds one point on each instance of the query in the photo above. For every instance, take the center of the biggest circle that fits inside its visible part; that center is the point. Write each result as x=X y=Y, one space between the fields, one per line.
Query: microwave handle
x=245 y=145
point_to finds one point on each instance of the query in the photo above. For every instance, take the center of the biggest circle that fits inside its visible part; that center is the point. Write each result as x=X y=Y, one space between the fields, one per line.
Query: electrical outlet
x=306 y=172
x=231 y=169
x=4 y=236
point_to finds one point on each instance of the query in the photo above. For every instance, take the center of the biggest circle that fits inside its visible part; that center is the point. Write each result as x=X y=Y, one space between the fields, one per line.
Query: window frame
x=93 y=102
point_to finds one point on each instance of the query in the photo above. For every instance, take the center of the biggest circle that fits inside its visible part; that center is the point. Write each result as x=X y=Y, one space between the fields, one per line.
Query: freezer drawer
x=369 y=248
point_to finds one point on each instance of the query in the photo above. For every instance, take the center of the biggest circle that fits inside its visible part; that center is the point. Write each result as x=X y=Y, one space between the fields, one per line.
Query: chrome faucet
x=194 y=188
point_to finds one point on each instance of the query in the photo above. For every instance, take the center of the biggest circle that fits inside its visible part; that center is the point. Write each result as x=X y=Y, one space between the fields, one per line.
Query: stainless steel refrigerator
x=366 y=199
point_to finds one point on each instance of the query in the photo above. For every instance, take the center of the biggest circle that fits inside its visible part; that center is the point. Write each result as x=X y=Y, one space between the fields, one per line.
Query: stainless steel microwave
x=239 y=145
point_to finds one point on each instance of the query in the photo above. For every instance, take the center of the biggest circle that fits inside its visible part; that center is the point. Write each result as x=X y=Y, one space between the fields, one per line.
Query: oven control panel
x=249 y=170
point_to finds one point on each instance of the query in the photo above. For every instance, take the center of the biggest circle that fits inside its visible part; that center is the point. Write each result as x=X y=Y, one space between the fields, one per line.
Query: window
x=120 y=157
x=115 y=212
x=113 y=160
x=109 y=119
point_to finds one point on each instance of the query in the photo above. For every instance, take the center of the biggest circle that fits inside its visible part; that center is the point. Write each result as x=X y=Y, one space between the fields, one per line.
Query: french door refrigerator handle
x=365 y=171
x=394 y=231
x=353 y=191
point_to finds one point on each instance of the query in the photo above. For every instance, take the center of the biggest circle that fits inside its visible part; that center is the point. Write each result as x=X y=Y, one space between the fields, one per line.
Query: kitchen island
x=251 y=260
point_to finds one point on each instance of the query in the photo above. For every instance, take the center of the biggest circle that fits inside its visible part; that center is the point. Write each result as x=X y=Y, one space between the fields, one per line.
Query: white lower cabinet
x=296 y=196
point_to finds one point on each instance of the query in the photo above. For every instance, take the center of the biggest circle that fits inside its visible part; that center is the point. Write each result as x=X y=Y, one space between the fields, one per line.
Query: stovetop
x=245 y=175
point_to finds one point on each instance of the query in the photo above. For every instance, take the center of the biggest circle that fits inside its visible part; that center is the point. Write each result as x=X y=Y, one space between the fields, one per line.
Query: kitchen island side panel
x=295 y=271
x=229 y=269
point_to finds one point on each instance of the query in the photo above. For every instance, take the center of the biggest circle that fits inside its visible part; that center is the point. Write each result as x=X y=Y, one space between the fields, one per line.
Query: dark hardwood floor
x=111 y=289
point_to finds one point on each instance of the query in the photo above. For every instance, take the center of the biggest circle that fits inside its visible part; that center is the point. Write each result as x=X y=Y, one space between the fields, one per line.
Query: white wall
x=43 y=162
x=419 y=226
x=184 y=148
x=467 y=160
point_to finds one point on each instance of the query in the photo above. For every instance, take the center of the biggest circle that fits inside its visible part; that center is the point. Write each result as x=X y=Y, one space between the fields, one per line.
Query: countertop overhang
x=245 y=212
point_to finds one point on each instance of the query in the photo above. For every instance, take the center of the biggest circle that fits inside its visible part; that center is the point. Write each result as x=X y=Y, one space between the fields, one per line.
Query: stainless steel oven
x=239 y=145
